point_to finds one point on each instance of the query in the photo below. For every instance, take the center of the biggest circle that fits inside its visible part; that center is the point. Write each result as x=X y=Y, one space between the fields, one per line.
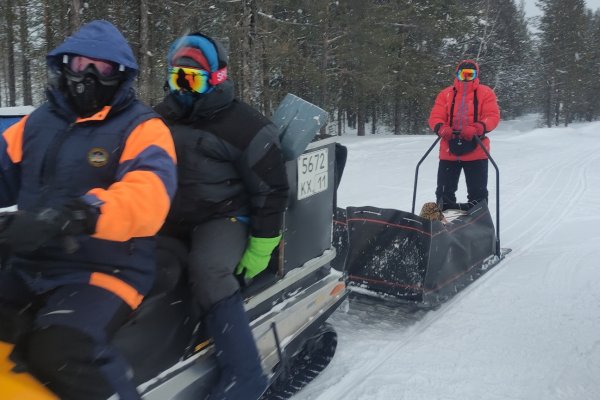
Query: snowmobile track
x=415 y=321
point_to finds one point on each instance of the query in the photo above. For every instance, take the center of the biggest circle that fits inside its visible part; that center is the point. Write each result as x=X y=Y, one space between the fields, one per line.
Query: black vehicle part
x=341 y=156
x=313 y=358
x=311 y=218
x=340 y=238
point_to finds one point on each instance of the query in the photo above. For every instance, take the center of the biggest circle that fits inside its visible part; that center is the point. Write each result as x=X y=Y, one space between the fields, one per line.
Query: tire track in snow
x=384 y=353
x=548 y=215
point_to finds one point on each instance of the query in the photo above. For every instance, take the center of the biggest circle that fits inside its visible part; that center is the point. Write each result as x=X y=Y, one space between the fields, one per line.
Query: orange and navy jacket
x=120 y=160
x=124 y=164
x=456 y=106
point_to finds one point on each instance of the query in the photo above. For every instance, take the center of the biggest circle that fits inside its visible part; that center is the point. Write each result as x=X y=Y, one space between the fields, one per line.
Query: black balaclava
x=88 y=91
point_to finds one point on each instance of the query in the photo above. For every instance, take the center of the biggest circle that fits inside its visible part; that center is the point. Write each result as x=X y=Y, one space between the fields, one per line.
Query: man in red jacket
x=461 y=112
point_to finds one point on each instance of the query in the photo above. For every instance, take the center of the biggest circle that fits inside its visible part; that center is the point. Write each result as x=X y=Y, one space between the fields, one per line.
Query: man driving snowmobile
x=230 y=202
x=92 y=172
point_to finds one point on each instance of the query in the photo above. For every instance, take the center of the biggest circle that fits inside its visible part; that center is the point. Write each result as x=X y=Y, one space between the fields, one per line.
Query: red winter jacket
x=460 y=100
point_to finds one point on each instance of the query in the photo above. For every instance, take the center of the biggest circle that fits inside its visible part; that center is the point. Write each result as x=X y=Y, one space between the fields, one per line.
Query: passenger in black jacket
x=230 y=201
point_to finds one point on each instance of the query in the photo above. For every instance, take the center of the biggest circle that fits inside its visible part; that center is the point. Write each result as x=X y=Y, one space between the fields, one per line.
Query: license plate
x=312 y=173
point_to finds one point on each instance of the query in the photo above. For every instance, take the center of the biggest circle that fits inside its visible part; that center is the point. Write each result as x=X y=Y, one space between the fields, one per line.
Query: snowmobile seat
x=158 y=332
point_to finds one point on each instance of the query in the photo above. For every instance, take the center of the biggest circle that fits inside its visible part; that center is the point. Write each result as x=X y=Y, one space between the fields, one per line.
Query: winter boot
x=241 y=375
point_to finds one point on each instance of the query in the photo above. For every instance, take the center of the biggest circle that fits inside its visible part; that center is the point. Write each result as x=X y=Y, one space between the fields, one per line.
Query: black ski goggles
x=107 y=72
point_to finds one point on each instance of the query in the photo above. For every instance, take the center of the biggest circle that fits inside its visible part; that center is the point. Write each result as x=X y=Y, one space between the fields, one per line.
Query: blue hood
x=97 y=39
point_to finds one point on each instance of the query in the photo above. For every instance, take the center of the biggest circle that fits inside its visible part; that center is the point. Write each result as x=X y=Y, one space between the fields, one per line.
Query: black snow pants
x=217 y=247
x=63 y=337
x=476 y=177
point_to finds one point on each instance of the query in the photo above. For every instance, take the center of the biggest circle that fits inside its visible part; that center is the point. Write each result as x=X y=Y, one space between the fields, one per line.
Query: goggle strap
x=218 y=77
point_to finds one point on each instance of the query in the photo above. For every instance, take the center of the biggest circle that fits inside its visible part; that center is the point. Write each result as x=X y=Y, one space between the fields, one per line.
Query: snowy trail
x=528 y=329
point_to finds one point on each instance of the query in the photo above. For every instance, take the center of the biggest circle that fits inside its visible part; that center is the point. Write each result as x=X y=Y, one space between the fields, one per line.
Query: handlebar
x=69 y=243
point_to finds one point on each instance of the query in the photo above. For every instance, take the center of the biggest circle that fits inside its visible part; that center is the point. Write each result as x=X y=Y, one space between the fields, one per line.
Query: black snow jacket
x=229 y=163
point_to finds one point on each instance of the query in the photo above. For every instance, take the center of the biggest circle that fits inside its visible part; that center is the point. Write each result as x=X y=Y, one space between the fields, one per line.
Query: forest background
x=374 y=65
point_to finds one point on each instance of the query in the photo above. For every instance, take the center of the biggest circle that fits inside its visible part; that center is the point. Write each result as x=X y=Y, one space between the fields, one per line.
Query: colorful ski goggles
x=466 y=74
x=189 y=79
x=194 y=79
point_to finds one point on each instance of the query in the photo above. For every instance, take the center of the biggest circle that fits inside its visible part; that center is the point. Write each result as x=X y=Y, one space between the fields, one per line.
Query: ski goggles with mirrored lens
x=189 y=79
x=466 y=74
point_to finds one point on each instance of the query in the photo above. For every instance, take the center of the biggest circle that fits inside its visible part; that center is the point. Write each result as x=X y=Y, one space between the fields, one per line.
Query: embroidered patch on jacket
x=97 y=157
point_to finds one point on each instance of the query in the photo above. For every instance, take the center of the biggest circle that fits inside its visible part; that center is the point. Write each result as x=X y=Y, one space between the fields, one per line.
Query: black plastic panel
x=308 y=222
x=400 y=254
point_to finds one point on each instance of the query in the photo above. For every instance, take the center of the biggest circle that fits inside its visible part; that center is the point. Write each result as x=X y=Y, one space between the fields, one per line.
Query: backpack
x=459 y=146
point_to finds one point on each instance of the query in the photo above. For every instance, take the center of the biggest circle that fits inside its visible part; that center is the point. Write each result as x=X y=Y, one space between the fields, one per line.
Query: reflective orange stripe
x=118 y=287
x=99 y=116
x=14 y=140
x=151 y=132
x=339 y=288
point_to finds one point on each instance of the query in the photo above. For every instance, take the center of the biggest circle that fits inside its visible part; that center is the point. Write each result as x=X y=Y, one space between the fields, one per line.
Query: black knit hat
x=467 y=64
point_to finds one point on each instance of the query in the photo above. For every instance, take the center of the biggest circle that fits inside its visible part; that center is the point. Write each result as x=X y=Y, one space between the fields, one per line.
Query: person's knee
x=52 y=348
x=13 y=322
x=208 y=295
x=63 y=358
x=211 y=283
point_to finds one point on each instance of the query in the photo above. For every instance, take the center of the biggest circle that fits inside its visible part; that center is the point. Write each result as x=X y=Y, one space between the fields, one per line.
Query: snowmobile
x=401 y=257
x=288 y=304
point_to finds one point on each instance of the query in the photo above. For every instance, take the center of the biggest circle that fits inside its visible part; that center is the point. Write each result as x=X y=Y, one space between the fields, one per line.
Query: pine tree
x=562 y=52
x=590 y=101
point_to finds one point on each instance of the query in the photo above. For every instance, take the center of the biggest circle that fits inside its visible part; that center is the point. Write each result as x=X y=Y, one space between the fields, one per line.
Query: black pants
x=476 y=177
x=216 y=249
x=63 y=336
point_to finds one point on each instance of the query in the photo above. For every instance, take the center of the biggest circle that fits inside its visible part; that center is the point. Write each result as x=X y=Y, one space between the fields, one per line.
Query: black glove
x=27 y=231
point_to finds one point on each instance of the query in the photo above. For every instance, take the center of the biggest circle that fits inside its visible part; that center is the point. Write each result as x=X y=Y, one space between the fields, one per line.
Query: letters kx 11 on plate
x=312 y=173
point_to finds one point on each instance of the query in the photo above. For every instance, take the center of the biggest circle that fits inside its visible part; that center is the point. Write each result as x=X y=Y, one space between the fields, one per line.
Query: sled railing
x=417 y=172
x=489 y=156
x=487 y=153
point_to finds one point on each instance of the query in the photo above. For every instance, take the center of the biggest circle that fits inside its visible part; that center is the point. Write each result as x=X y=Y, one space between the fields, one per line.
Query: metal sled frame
x=398 y=255
x=489 y=156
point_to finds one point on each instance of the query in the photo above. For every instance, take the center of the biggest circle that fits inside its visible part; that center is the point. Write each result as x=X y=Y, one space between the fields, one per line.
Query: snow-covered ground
x=528 y=329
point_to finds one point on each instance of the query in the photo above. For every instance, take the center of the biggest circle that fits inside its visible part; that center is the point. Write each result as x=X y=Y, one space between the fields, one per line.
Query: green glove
x=257 y=255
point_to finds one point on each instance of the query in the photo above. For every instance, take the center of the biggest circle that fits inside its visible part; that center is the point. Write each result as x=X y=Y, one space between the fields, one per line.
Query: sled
x=399 y=256
x=288 y=304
